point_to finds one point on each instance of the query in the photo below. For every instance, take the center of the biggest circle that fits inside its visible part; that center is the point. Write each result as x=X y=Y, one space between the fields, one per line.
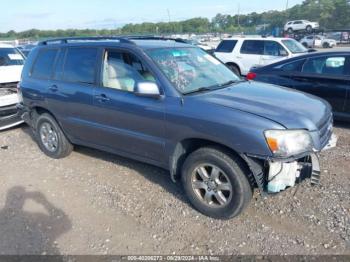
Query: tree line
x=331 y=14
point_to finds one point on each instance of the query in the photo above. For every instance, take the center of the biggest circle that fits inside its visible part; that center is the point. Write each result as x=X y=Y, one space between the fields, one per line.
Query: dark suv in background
x=174 y=106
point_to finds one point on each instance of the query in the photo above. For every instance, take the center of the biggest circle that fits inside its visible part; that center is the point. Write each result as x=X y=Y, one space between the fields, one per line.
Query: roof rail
x=96 y=38
x=122 y=39
x=179 y=40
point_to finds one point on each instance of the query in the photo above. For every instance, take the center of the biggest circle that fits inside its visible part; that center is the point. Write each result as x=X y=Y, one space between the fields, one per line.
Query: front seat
x=111 y=75
x=120 y=76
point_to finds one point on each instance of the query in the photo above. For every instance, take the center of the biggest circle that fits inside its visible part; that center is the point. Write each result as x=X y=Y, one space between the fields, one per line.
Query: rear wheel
x=50 y=138
x=235 y=69
x=216 y=183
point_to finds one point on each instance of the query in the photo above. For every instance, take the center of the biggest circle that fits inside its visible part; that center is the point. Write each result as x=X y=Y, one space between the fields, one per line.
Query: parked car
x=25 y=49
x=326 y=75
x=195 y=42
x=11 y=64
x=174 y=106
x=300 y=25
x=243 y=53
x=318 y=41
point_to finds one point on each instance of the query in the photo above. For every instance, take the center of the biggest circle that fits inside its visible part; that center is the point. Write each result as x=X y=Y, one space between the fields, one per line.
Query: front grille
x=9 y=85
x=8 y=111
x=325 y=130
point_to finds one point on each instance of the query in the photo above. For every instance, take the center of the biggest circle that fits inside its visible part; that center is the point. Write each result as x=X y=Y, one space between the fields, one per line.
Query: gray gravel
x=97 y=203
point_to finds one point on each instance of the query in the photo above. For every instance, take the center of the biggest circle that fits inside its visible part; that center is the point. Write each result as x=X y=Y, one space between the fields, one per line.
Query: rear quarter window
x=44 y=63
x=80 y=65
x=226 y=46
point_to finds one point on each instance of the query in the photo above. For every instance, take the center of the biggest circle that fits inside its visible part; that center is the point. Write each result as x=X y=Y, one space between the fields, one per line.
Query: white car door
x=318 y=41
x=273 y=52
x=298 y=25
x=250 y=54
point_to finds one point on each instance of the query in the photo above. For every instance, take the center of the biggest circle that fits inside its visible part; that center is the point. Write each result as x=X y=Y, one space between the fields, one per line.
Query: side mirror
x=147 y=89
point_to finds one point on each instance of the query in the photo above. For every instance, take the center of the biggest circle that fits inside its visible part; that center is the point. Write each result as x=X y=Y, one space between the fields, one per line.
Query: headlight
x=285 y=143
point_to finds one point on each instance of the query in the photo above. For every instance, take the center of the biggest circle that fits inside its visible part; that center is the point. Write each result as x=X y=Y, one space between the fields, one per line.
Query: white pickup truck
x=11 y=65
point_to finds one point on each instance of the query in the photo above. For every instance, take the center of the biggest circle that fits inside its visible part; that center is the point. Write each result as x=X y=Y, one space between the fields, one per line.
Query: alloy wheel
x=211 y=185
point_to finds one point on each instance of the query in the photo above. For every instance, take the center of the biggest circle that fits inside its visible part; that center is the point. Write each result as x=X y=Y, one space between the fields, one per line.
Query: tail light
x=251 y=76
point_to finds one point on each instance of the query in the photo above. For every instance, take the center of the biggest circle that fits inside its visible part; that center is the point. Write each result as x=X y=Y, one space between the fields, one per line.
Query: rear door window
x=325 y=66
x=44 y=63
x=226 y=46
x=253 y=47
x=80 y=65
x=292 y=67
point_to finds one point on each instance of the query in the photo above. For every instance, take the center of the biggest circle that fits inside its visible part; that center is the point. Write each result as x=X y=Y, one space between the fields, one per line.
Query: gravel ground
x=97 y=203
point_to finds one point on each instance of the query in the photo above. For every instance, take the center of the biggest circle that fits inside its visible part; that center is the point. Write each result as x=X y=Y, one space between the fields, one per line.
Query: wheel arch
x=236 y=65
x=187 y=146
x=36 y=111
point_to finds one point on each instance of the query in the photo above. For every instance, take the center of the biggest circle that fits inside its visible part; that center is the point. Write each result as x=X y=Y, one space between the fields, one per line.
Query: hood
x=10 y=74
x=287 y=107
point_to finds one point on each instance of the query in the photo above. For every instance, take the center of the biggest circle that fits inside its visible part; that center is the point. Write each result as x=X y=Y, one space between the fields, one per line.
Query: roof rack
x=76 y=39
x=121 y=39
x=179 y=40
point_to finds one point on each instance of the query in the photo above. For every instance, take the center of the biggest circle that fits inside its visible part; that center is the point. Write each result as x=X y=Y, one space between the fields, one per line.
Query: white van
x=11 y=65
x=243 y=53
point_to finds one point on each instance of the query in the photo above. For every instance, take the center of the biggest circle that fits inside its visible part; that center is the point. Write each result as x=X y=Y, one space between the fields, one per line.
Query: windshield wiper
x=228 y=83
x=199 y=90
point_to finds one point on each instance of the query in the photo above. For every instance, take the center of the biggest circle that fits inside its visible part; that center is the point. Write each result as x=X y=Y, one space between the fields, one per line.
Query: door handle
x=53 y=88
x=102 y=98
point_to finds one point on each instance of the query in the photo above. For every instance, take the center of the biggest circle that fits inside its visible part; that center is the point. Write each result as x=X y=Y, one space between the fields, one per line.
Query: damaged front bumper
x=9 y=117
x=275 y=175
x=9 y=113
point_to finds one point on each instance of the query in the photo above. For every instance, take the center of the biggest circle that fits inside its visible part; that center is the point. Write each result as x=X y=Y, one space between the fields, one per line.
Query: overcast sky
x=110 y=14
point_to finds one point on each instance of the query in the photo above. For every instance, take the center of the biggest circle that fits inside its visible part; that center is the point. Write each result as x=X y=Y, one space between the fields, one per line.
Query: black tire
x=63 y=148
x=235 y=69
x=309 y=29
x=326 y=45
x=290 y=30
x=234 y=170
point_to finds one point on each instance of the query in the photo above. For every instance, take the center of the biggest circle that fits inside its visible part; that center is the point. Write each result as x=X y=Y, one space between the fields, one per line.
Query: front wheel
x=309 y=29
x=216 y=183
x=51 y=139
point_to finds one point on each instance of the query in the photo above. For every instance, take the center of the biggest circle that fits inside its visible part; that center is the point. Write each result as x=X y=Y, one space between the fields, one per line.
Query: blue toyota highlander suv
x=174 y=106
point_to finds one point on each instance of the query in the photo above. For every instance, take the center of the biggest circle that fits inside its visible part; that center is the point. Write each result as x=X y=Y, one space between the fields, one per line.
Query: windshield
x=10 y=56
x=191 y=69
x=294 y=46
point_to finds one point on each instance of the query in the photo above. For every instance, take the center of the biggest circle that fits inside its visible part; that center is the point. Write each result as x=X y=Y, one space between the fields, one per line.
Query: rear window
x=80 y=65
x=10 y=56
x=44 y=64
x=253 y=47
x=226 y=46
